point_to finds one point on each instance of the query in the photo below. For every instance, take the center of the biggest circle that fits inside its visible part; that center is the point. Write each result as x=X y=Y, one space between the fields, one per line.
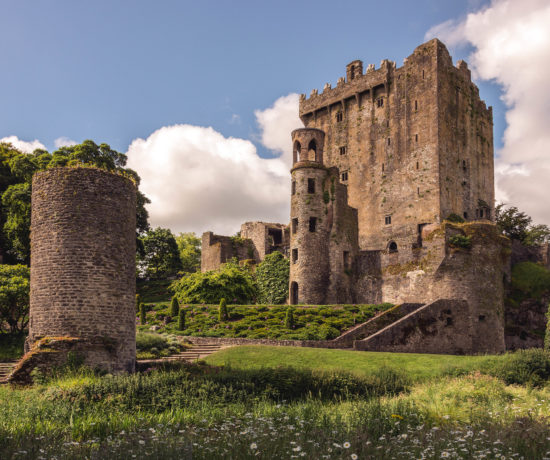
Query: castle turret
x=309 y=238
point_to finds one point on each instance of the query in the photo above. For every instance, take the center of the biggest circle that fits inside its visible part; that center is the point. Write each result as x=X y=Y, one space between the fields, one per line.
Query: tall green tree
x=160 y=256
x=517 y=225
x=189 y=247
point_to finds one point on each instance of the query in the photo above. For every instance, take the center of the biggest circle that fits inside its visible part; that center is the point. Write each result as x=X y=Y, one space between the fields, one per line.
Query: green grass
x=261 y=321
x=11 y=346
x=416 y=366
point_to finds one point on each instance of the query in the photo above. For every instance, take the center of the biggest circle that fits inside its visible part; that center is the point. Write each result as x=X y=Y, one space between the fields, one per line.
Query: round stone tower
x=83 y=246
x=309 y=237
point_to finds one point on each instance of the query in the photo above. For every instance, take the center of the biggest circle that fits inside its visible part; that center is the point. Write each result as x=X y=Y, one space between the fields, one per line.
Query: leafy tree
x=231 y=282
x=14 y=297
x=189 y=247
x=516 y=225
x=160 y=258
x=16 y=171
x=272 y=277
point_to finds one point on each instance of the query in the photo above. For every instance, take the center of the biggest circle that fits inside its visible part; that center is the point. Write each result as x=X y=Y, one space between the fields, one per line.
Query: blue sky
x=113 y=71
x=202 y=95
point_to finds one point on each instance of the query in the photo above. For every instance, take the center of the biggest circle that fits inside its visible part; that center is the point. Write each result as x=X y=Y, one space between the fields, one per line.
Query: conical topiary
x=174 y=308
x=289 y=318
x=181 y=320
x=223 y=315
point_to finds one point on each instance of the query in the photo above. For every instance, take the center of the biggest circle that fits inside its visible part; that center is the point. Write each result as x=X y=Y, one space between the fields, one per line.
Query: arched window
x=392 y=247
x=294 y=293
x=312 y=150
x=297 y=149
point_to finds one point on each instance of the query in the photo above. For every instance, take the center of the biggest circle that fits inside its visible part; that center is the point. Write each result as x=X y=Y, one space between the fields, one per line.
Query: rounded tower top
x=307 y=145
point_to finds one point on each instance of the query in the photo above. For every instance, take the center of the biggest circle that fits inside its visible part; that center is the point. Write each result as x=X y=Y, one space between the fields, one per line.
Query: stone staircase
x=5 y=369
x=192 y=354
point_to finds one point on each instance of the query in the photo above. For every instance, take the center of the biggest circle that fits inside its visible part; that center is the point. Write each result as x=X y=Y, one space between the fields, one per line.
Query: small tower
x=309 y=261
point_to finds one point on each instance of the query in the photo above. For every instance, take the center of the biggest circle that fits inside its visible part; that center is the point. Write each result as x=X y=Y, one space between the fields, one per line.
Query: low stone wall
x=273 y=342
x=376 y=324
x=441 y=327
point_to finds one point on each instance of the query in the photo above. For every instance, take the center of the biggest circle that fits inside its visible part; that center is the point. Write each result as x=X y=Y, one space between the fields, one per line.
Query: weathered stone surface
x=83 y=247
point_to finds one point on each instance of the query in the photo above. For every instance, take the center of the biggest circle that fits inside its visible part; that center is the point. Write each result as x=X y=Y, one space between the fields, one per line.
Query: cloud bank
x=512 y=47
x=24 y=146
x=199 y=180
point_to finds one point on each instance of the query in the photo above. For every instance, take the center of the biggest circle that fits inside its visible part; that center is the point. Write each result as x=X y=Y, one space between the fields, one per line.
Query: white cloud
x=63 y=142
x=512 y=47
x=199 y=180
x=24 y=146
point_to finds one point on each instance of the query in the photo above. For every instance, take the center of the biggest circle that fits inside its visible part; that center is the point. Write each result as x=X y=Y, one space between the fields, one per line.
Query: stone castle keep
x=384 y=159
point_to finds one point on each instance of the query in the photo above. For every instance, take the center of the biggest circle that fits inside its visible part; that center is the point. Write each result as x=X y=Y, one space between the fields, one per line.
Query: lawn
x=361 y=363
x=401 y=407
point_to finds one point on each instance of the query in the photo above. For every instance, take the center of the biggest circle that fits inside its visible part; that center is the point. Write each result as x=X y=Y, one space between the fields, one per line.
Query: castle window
x=481 y=213
x=343 y=150
x=464 y=166
x=392 y=247
x=380 y=102
x=382 y=167
x=387 y=123
x=312 y=151
x=422 y=74
x=344 y=176
x=297 y=150
x=293 y=187
x=311 y=186
x=465 y=215
x=347 y=264
x=339 y=117
x=294 y=225
x=418 y=191
x=312 y=224
x=389 y=141
x=294 y=293
x=415 y=106
x=387 y=220
x=417 y=165
x=294 y=256
x=416 y=137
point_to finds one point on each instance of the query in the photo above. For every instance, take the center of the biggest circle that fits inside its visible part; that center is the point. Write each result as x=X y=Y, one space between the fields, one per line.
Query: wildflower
x=353 y=456
x=253 y=446
x=141 y=441
x=297 y=449
x=445 y=454
x=397 y=416
x=347 y=445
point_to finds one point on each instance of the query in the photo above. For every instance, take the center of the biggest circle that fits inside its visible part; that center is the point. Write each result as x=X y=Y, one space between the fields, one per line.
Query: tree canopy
x=16 y=171
x=189 y=247
x=517 y=225
x=14 y=298
x=159 y=255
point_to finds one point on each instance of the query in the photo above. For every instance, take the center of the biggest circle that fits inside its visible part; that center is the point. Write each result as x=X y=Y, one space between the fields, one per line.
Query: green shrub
x=142 y=314
x=231 y=282
x=523 y=367
x=174 y=308
x=272 y=276
x=181 y=320
x=223 y=315
x=146 y=341
x=460 y=241
x=455 y=218
x=289 y=318
x=530 y=280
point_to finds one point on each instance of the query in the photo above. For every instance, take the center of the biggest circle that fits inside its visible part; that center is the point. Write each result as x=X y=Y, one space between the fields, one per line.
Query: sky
x=202 y=96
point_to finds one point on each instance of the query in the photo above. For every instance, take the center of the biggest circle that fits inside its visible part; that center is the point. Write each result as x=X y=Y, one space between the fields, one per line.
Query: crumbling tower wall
x=83 y=246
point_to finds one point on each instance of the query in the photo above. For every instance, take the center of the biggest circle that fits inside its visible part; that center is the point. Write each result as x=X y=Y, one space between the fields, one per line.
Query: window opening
x=417 y=165
x=416 y=137
x=387 y=220
x=389 y=141
x=294 y=293
x=380 y=102
x=392 y=247
x=294 y=225
x=311 y=186
x=294 y=256
x=294 y=187
x=312 y=150
x=276 y=235
x=344 y=176
x=297 y=150
x=343 y=150
x=312 y=224
x=465 y=215
x=382 y=167
x=339 y=117
x=415 y=106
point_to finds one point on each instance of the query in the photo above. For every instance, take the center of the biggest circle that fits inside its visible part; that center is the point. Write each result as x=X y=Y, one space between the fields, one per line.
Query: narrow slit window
x=415 y=106
x=294 y=225
x=417 y=165
x=382 y=167
x=387 y=220
x=380 y=102
x=311 y=186
x=389 y=141
x=294 y=187
x=339 y=117
x=294 y=256
x=313 y=224
x=416 y=137
x=343 y=150
x=344 y=176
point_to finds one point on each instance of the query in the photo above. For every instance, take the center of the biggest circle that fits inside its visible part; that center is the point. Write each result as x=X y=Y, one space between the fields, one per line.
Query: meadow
x=285 y=402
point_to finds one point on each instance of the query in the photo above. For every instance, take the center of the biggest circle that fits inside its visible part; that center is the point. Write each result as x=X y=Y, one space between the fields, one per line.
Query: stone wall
x=218 y=249
x=272 y=342
x=441 y=327
x=83 y=247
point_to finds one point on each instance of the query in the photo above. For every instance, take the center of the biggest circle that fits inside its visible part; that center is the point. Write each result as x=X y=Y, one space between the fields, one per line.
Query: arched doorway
x=294 y=293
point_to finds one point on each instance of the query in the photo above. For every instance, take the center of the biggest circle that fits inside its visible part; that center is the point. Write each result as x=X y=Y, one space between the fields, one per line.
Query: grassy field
x=415 y=366
x=331 y=404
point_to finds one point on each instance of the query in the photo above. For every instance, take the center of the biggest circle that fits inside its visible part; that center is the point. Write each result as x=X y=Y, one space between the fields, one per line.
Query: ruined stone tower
x=83 y=224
